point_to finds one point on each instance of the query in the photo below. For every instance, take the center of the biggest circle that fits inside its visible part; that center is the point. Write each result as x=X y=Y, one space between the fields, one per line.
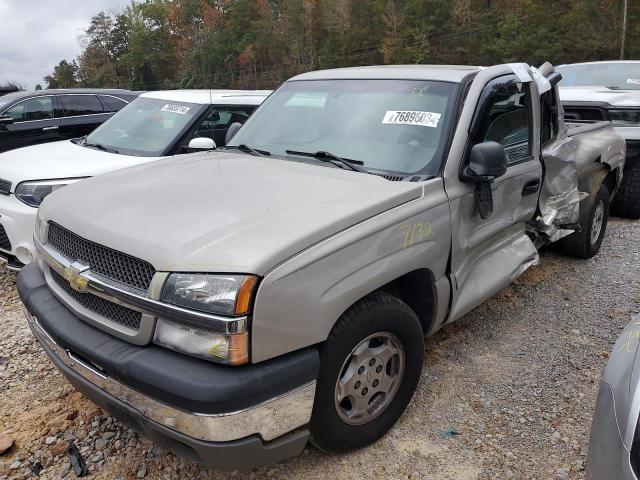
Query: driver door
x=33 y=123
x=488 y=253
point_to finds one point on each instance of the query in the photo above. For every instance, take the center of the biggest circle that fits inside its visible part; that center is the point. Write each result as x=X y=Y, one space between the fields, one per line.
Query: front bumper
x=226 y=417
x=18 y=221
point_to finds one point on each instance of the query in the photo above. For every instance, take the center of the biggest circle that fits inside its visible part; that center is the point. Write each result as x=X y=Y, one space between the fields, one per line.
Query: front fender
x=299 y=301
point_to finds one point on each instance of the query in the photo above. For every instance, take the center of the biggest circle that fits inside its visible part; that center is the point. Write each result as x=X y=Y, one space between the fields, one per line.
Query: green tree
x=64 y=75
x=259 y=43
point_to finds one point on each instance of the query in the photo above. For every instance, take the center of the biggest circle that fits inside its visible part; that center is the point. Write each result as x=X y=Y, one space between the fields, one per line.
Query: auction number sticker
x=181 y=109
x=410 y=117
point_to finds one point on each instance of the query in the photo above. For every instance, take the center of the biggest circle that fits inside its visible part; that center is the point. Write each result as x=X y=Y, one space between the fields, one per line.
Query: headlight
x=625 y=117
x=232 y=349
x=32 y=193
x=220 y=294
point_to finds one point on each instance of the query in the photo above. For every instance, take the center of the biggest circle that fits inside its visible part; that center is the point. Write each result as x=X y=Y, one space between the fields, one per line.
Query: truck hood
x=221 y=212
x=62 y=159
x=615 y=98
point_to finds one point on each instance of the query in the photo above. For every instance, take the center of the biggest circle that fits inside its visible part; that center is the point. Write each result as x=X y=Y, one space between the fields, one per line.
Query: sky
x=36 y=34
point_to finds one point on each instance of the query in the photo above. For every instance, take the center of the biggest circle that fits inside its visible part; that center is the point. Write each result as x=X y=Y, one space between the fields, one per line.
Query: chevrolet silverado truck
x=235 y=304
x=596 y=91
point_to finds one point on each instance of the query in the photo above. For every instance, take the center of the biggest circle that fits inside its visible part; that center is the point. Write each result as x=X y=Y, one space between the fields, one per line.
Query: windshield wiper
x=98 y=146
x=247 y=149
x=331 y=158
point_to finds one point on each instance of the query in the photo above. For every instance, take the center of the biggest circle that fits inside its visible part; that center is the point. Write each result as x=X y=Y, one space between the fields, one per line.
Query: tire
x=585 y=243
x=371 y=329
x=627 y=200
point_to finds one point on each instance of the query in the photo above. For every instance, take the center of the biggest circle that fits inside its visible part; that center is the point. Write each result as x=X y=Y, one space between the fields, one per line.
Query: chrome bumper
x=270 y=419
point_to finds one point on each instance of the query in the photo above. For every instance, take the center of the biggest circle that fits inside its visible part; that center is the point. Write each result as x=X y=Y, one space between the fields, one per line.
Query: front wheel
x=370 y=367
x=587 y=242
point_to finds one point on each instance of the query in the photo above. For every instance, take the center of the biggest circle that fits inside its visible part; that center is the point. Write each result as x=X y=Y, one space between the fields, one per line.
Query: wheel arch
x=611 y=181
x=416 y=288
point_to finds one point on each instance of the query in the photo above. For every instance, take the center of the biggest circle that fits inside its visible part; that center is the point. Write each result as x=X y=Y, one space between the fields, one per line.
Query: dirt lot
x=507 y=393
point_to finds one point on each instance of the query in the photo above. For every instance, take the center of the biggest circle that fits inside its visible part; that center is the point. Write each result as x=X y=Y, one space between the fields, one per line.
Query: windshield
x=146 y=127
x=619 y=76
x=389 y=125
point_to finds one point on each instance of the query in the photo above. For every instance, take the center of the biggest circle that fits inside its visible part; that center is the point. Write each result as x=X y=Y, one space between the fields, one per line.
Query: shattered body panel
x=576 y=165
x=560 y=195
x=599 y=150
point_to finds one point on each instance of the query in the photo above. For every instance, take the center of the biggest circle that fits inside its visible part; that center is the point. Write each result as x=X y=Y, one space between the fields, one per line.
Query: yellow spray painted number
x=626 y=346
x=416 y=232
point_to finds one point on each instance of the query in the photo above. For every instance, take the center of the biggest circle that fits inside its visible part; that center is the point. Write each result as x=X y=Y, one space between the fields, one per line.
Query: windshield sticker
x=635 y=81
x=307 y=99
x=404 y=117
x=181 y=109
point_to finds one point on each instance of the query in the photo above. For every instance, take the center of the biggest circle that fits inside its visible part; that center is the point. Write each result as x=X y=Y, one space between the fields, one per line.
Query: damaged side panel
x=494 y=272
x=576 y=164
x=599 y=150
x=559 y=196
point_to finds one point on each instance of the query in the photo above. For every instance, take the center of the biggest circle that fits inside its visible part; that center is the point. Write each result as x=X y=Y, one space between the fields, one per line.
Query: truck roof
x=446 y=73
x=206 y=97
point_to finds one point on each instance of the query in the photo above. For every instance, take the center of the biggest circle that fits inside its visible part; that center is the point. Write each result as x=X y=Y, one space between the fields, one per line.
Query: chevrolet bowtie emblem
x=73 y=274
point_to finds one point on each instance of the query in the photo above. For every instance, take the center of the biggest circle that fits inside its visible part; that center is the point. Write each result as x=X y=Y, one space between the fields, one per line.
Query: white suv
x=153 y=126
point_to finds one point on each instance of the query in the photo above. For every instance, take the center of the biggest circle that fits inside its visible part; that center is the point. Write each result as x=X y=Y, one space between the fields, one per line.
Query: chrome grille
x=112 y=311
x=105 y=261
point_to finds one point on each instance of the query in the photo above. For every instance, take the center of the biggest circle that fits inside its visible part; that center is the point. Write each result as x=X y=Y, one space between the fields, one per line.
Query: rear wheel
x=587 y=242
x=370 y=367
x=627 y=200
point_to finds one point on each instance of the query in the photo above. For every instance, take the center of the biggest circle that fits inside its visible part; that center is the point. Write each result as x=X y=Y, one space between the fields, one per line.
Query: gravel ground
x=507 y=392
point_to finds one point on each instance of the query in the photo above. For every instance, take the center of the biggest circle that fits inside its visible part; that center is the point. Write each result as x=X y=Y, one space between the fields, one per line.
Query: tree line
x=158 y=44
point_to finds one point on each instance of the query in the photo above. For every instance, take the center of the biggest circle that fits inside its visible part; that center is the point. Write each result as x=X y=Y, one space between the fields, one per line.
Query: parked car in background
x=153 y=126
x=614 y=445
x=29 y=118
x=596 y=91
x=232 y=305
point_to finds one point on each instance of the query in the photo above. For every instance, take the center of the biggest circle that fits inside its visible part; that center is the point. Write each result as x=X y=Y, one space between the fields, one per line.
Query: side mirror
x=6 y=120
x=233 y=129
x=487 y=161
x=201 y=143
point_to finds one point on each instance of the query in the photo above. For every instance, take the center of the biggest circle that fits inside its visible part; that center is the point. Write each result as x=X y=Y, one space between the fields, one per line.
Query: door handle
x=49 y=129
x=531 y=187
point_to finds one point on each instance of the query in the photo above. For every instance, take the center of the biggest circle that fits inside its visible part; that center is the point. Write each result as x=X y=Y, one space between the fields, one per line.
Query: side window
x=549 y=118
x=221 y=118
x=506 y=118
x=112 y=104
x=38 y=108
x=74 y=105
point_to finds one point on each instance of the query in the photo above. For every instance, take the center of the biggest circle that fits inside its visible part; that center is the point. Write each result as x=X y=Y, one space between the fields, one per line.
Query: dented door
x=487 y=254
